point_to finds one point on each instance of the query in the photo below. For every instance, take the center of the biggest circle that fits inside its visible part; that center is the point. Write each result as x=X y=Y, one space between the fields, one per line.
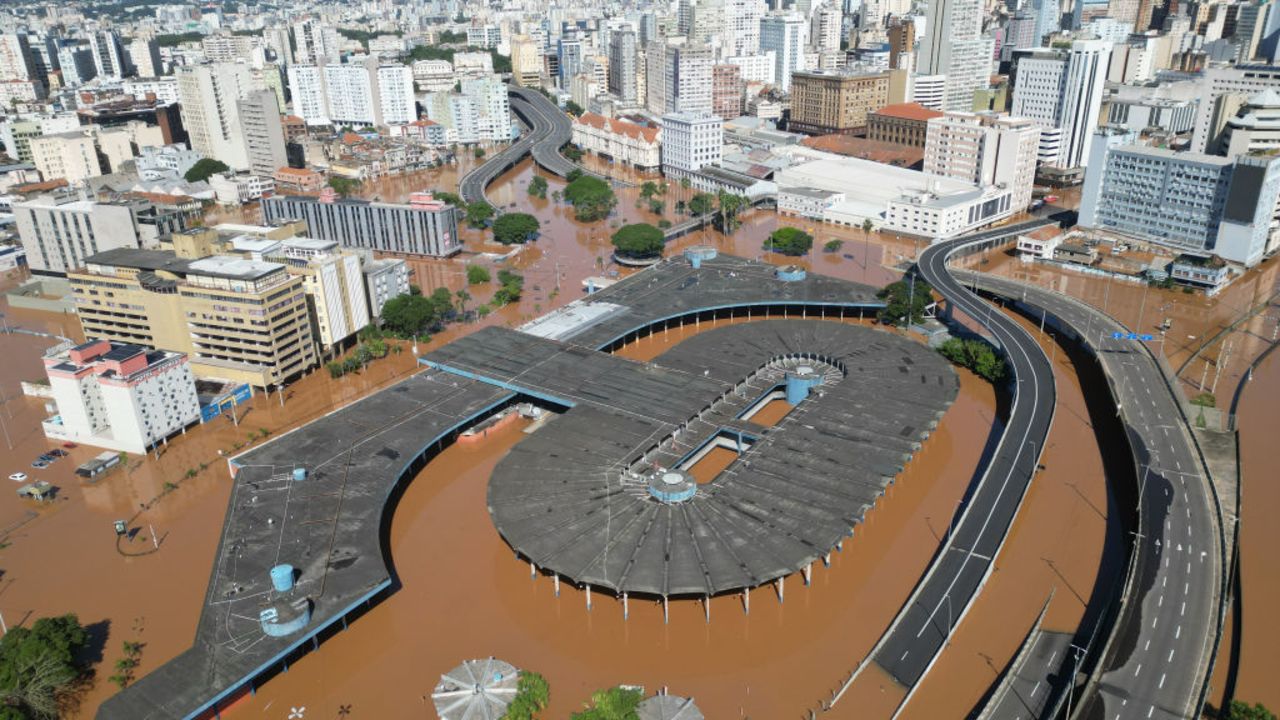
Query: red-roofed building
x=299 y=179
x=621 y=140
x=903 y=124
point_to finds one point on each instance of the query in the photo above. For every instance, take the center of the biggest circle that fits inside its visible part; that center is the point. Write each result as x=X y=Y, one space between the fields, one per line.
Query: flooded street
x=1258 y=418
x=465 y=595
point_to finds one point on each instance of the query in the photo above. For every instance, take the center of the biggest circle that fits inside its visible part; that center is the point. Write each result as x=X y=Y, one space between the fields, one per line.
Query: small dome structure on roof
x=476 y=690
x=669 y=707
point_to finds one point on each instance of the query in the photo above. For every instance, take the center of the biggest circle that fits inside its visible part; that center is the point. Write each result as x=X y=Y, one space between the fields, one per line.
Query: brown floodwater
x=1258 y=418
x=709 y=467
x=465 y=595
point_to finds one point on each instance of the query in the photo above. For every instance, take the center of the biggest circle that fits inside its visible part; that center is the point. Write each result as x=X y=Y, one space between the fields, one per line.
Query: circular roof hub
x=672 y=486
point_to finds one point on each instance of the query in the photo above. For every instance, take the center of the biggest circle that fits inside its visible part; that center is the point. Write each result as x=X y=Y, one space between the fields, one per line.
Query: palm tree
x=867 y=227
x=463 y=296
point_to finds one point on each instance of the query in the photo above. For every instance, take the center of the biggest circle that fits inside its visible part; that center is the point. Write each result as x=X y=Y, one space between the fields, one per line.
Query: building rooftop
x=232 y=266
x=908 y=111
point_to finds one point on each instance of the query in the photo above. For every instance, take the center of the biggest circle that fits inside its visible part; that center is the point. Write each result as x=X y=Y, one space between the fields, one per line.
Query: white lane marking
x=1137 y=670
x=1177 y=634
x=1161 y=685
x=1184 y=608
x=1170 y=656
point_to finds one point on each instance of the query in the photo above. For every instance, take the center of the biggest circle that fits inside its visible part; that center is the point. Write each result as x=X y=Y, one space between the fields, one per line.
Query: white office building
x=1061 y=90
x=690 y=142
x=119 y=396
x=760 y=68
x=1190 y=202
x=784 y=35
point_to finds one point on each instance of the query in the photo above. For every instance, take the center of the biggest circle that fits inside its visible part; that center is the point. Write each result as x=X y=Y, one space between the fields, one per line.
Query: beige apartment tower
x=237 y=319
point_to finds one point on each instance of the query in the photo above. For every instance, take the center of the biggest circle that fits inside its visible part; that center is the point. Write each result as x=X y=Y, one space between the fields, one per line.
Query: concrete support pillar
x=666 y=611
x=746 y=600
x=781 y=583
x=555 y=580
x=826 y=560
x=840 y=545
x=706 y=607
x=344 y=622
x=626 y=611
x=808 y=572
x=588 y=598
x=533 y=571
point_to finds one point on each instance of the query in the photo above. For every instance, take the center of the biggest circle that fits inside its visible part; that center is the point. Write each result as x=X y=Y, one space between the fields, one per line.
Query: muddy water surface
x=1259 y=536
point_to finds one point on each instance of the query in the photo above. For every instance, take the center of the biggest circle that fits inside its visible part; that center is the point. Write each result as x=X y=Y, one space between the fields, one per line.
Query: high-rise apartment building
x=622 y=66
x=263 y=132
x=384 y=279
x=144 y=57
x=678 y=77
x=424 y=226
x=108 y=57
x=824 y=103
x=71 y=156
x=726 y=91
x=236 y=319
x=784 y=35
x=360 y=94
x=480 y=113
x=1191 y=202
x=824 y=35
x=526 y=61
x=76 y=62
x=1061 y=90
x=315 y=43
x=569 y=54
x=18 y=61
x=953 y=46
x=742 y=27
x=984 y=149
x=209 y=95
x=690 y=142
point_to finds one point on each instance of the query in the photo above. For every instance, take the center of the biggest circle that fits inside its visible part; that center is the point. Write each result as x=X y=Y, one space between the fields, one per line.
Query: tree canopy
x=640 y=240
x=510 y=285
x=729 y=205
x=412 y=315
x=573 y=108
x=789 y=241
x=204 y=168
x=38 y=666
x=977 y=355
x=515 y=228
x=477 y=274
x=612 y=704
x=903 y=301
x=344 y=186
x=449 y=198
x=479 y=213
x=1243 y=711
x=591 y=197
x=702 y=203
x=538 y=187
x=532 y=695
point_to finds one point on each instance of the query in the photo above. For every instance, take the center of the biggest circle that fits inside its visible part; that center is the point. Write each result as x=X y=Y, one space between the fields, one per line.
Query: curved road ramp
x=959 y=571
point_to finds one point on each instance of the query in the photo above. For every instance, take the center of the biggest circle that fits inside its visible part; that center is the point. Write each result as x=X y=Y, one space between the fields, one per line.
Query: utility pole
x=1223 y=359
